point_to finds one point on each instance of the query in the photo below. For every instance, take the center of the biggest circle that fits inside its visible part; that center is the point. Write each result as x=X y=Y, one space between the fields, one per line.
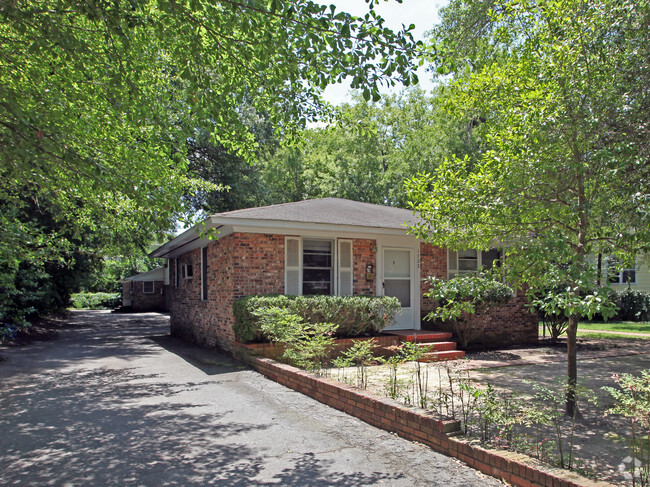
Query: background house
x=146 y=291
x=325 y=246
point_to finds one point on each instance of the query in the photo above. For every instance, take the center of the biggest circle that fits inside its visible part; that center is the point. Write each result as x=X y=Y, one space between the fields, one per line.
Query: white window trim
x=456 y=271
x=184 y=273
x=621 y=271
x=299 y=267
x=153 y=287
x=203 y=276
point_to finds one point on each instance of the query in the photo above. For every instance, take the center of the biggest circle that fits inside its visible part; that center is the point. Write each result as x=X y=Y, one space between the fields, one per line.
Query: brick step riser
x=441 y=356
x=439 y=346
x=437 y=337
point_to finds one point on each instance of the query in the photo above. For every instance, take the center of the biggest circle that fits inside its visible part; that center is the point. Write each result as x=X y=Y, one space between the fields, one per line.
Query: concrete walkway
x=116 y=401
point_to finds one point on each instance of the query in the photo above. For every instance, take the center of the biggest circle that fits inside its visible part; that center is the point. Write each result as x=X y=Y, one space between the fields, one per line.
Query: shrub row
x=632 y=305
x=354 y=315
x=94 y=300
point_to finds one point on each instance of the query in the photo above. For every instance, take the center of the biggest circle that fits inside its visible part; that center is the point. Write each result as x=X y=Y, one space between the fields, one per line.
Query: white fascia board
x=282 y=227
x=189 y=240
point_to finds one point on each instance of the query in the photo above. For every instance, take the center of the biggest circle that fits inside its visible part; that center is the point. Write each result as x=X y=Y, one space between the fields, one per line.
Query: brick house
x=323 y=246
x=146 y=292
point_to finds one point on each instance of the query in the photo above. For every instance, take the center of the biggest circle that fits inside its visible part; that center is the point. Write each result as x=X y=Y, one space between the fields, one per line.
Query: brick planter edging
x=416 y=425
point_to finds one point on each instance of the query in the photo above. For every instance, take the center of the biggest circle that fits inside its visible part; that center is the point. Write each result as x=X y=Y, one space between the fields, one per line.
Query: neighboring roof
x=157 y=274
x=326 y=214
x=334 y=211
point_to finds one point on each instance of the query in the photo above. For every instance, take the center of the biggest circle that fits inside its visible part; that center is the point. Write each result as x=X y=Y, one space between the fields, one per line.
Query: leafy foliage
x=463 y=299
x=562 y=90
x=98 y=100
x=632 y=401
x=306 y=345
x=354 y=315
x=369 y=153
x=85 y=300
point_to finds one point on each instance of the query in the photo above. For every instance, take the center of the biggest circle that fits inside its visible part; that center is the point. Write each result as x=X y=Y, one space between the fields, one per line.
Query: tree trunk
x=572 y=366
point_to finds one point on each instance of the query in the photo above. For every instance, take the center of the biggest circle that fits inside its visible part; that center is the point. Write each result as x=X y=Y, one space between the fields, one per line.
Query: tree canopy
x=561 y=92
x=98 y=99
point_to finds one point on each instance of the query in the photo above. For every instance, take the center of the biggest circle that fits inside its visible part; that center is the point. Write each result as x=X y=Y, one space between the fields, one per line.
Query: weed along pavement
x=115 y=401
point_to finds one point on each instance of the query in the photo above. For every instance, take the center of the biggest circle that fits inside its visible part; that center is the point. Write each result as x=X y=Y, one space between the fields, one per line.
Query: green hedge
x=354 y=315
x=95 y=300
x=632 y=305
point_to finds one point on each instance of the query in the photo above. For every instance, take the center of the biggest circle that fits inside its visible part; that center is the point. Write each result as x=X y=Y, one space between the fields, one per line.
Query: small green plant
x=394 y=385
x=413 y=352
x=547 y=409
x=360 y=354
x=307 y=345
x=632 y=401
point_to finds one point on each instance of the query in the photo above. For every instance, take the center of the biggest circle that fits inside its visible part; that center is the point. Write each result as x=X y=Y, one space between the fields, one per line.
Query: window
x=616 y=274
x=187 y=272
x=147 y=287
x=469 y=261
x=204 y=274
x=175 y=272
x=166 y=281
x=318 y=266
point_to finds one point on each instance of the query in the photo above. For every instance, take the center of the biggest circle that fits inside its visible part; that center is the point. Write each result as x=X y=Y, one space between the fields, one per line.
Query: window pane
x=319 y=246
x=629 y=276
x=317 y=260
x=309 y=288
x=488 y=258
x=467 y=264
x=400 y=288
x=467 y=254
x=397 y=263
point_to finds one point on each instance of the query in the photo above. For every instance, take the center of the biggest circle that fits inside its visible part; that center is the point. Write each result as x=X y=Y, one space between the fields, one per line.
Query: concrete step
x=443 y=355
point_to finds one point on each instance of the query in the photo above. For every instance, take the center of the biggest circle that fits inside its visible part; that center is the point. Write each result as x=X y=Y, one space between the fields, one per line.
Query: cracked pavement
x=116 y=401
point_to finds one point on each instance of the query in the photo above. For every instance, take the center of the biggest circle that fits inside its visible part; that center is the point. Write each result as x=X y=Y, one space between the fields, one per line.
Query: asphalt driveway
x=116 y=401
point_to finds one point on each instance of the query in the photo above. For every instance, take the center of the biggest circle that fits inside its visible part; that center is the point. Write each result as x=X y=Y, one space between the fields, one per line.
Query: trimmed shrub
x=632 y=305
x=95 y=300
x=354 y=315
x=464 y=297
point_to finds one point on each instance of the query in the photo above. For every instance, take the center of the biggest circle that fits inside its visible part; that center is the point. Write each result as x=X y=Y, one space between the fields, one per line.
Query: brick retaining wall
x=416 y=425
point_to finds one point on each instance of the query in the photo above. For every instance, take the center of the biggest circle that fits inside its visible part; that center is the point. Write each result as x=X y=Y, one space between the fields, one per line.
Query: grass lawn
x=611 y=326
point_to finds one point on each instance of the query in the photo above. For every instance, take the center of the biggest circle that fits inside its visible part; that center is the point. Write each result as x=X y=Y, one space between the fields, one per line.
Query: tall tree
x=563 y=89
x=372 y=150
x=98 y=98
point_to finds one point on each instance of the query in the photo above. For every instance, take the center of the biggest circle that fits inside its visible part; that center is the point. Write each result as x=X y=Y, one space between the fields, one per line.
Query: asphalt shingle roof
x=335 y=211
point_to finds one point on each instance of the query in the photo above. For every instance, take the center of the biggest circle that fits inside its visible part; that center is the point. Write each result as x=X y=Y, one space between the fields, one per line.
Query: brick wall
x=417 y=425
x=240 y=264
x=364 y=252
x=511 y=324
x=433 y=263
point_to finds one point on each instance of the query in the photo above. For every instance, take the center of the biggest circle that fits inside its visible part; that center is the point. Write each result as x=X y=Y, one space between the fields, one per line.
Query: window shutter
x=345 y=268
x=292 y=284
x=452 y=263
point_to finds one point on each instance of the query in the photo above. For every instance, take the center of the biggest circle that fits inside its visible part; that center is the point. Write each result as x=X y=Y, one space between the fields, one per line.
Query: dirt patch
x=600 y=440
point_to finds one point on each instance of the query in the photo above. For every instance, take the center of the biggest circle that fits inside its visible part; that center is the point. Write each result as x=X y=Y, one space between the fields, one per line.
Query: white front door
x=397 y=280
